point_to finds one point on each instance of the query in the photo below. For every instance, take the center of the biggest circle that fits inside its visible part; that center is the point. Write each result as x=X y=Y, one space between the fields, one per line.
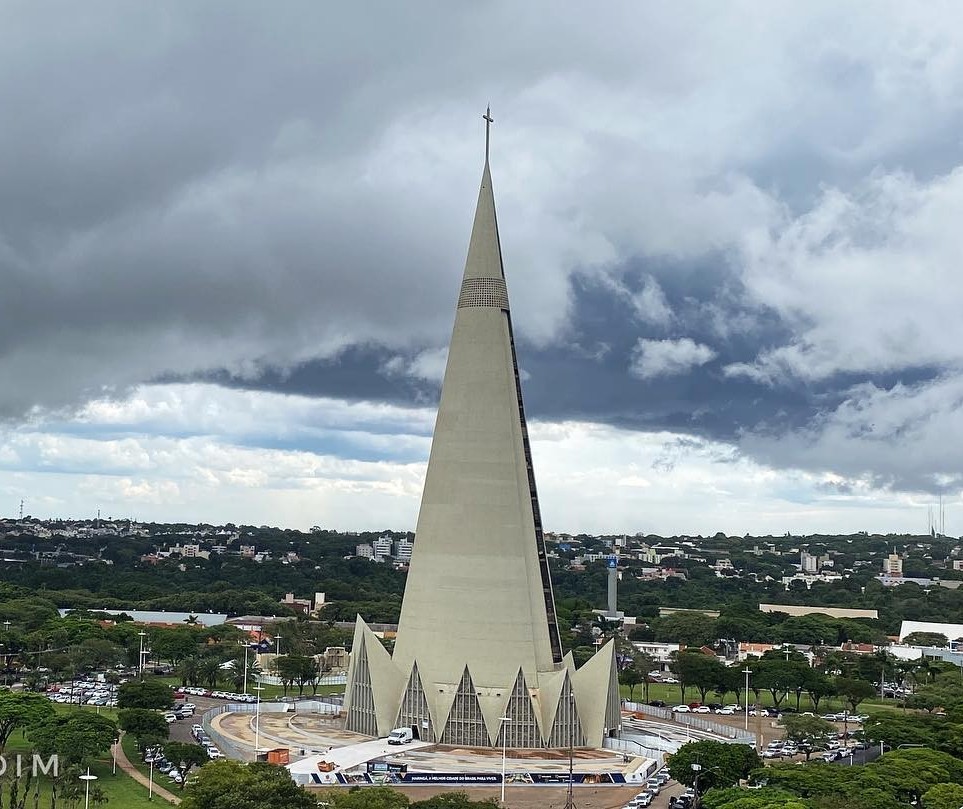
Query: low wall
x=727 y=732
x=227 y=746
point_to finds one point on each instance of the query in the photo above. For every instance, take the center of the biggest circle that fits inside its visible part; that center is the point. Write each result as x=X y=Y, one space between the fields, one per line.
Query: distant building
x=893 y=565
x=402 y=550
x=807 y=562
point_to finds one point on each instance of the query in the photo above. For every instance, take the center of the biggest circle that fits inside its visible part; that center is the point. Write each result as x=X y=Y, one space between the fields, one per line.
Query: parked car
x=681 y=709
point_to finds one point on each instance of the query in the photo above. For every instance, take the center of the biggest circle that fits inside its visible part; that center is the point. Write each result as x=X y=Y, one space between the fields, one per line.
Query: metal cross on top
x=488 y=129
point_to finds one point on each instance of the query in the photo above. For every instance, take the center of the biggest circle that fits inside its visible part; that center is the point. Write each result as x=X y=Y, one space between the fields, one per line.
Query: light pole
x=570 y=799
x=257 y=719
x=504 y=719
x=747 y=671
x=277 y=647
x=150 y=780
x=113 y=753
x=246 y=646
x=87 y=779
x=140 y=659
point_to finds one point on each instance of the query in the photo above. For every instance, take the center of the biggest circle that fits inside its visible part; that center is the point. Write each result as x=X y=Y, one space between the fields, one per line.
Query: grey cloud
x=281 y=197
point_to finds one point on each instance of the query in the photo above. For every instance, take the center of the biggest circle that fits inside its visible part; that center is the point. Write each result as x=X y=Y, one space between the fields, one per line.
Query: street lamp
x=697 y=769
x=504 y=719
x=140 y=659
x=277 y=648
x=257 y=719
x=246 y=646
x=150 y=779
x=747 y=671
x=87 y=779
x=570 y=799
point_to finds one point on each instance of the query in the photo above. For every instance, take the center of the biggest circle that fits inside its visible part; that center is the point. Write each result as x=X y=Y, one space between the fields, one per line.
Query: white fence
x=227 y=746
x=727 y=732
x=635 y=748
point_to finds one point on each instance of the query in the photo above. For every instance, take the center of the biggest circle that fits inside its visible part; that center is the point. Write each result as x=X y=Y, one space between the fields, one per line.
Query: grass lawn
x=121 y=790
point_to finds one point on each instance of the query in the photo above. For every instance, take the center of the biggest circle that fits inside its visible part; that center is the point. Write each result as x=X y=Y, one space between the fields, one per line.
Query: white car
x=702 y=709
x=727 y=711
x=681 y=709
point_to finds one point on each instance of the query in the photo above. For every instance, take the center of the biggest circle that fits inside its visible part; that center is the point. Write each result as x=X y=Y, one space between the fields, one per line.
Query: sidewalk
x=124 y=763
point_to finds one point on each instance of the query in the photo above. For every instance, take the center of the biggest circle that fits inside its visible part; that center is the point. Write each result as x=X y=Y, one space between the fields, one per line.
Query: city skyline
x=230 y=247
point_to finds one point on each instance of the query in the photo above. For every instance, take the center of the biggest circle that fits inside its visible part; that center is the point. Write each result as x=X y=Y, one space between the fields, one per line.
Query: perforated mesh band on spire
x=489 y=292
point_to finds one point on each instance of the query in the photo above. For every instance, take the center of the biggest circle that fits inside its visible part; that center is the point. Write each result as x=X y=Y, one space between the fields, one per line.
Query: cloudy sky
x=232 y=235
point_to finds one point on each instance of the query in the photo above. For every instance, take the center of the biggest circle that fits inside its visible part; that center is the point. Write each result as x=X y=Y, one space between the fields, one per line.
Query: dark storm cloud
x=717 y=228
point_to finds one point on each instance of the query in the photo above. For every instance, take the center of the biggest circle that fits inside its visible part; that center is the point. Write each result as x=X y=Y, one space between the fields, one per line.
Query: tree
x=926 y=639
x=209 y=671
x=854 y=691
x=366 y=798
x=453 y=800
x=688 y=628
x=630 y=677
x=722 y=764
x=146 y=726
x=175 y=644
x=695 y=670
x=305 y=671
x=245 y=786
x=145 y=694
x=737 y=798
x=21 y=710
x=809 y=732
x=817 y=686
x=943 y=796
x=644 y=663
x=76 y=737
x=186 y=757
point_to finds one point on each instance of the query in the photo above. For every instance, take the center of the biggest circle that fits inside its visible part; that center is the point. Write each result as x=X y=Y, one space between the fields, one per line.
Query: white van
x=400 y=736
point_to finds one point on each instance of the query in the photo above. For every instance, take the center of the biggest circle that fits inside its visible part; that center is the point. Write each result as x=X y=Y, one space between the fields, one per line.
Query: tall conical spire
x=479 y=575
x=478 y=612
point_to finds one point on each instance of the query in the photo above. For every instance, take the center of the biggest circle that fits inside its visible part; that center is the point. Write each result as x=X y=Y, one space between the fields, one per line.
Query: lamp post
x=257 y=719
x=113 y=753
x=570 y=798
x=277 y=647
x=697 y=769
x=87 y=779
x=247 y=647
x=747 y=671
x=140 y=658
x=150 y=780
x=504 y=719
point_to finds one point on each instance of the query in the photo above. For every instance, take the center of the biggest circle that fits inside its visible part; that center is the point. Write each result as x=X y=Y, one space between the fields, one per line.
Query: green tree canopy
x=231 y=785
x=454 y=800
x=722 y=764
x=854 y=691
x=810 y=731
x=19 y=711
x=145 y=694
x=926 y=639
x=75 y=737
x=943 y=796
x=146 y=726
x=365 y=798
x=186 y=757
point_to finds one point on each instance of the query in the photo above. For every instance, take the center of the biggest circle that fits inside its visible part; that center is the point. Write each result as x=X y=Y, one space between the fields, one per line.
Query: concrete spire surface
x=478 y=630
